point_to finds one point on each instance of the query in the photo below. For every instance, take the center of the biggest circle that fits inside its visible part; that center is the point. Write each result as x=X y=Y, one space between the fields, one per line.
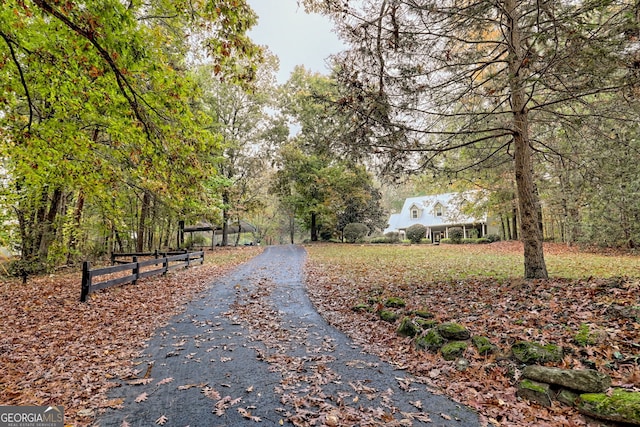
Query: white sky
x=297 y=38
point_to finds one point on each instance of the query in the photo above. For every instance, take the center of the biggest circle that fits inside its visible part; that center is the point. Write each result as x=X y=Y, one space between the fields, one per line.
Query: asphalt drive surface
x=214 y=365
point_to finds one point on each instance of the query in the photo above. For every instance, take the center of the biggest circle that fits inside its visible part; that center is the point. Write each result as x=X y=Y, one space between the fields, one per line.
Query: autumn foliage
x=595 y=320
x=55 y=350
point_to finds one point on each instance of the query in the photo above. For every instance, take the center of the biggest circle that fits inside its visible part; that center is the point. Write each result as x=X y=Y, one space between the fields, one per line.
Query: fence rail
x=156 y=254
x=138 y=269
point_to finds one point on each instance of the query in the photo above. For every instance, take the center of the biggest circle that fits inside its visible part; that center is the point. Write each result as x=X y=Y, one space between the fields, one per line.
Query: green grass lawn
x=457 y=262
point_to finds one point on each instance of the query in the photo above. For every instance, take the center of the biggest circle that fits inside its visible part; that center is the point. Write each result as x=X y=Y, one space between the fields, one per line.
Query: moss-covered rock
x=453 y=331
x=584 y=380
x=394 y=302
x=535 y=392
x=620 y=406
x=482 y=344
x=424 y=314
x=361 y=307
x=388 y=316
x=425 y=323
x=407 y=328
x=531 y=353
x=568 y=397
x=453 y=350
x=432 y=341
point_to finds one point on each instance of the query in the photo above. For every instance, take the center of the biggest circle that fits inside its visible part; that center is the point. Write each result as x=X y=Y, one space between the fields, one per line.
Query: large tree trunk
x=75 y=229
x=144 y=214
x=225 y=219
x=48 y=226
x=530 y=231
x=292 y=227
x=314 y=227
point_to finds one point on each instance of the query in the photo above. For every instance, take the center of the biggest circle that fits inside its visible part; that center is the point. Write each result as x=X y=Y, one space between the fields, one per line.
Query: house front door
x=436 y=237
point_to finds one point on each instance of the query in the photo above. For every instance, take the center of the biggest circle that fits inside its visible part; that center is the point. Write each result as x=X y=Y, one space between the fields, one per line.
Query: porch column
x=464 y=231
x=484 y=229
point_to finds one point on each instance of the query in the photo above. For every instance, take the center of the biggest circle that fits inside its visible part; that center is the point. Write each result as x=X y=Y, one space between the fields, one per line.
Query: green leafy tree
x=320 y=186
x=241 y=117
x=97 y=118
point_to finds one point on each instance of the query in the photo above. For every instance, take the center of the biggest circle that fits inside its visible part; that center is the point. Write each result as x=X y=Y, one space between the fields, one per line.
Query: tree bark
x=530 y=231
x=144 y=214
x=75 y=230
x=225 y=218
x=47 y=227
x=314 y=227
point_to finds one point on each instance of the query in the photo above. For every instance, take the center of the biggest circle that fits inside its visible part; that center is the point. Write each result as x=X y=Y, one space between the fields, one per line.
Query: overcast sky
x=296 y=37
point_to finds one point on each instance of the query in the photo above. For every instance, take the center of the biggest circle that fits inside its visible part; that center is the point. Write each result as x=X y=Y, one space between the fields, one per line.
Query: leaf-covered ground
x=55 y=350
x=591 y=309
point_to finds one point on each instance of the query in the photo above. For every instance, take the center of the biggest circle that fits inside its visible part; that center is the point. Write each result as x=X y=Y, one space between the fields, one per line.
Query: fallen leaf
x=165 y=381
x=246 y=414
x=162 y=420
x=140 y=381
x=211 y=393
x=142 y=397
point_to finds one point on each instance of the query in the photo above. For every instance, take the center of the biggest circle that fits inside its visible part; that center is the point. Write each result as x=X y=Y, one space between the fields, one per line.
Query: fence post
x=136 y=269
x=155 y=254
x=113 y=258
x=165 y=265
x=86 y=281
x=188 y=259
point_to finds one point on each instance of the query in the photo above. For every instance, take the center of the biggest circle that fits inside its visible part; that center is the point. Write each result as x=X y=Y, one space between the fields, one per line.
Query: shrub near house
x=355 y=232
x=441 y=214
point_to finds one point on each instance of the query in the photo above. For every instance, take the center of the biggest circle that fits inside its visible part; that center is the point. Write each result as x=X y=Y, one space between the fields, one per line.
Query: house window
x=439 y=210
x=414 y=213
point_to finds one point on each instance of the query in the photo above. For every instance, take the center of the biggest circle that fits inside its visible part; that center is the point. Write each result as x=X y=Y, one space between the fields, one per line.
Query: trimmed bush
x=393 y=236
x=355 y=232
x=379 y=239
x=456 y=234
x=492 y=238
x=416 y=232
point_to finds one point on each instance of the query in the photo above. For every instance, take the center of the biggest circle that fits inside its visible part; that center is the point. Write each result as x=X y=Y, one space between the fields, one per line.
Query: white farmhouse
x=439 y=213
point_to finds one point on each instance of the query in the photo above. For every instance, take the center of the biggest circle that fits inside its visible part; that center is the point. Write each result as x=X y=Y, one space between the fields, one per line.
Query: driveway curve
x=252 y=350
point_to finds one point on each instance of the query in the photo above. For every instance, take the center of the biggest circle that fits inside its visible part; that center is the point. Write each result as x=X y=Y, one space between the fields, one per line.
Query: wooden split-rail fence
x=160 y=264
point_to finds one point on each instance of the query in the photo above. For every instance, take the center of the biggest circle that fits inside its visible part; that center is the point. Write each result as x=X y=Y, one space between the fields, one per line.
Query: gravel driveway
x=252 y=350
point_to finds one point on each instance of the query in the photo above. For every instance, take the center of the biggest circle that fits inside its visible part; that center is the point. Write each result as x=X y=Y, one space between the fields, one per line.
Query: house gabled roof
x=451 y=215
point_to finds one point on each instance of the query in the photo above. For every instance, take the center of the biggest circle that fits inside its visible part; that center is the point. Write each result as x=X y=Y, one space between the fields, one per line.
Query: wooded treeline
x=119 y=119
x=104 y=136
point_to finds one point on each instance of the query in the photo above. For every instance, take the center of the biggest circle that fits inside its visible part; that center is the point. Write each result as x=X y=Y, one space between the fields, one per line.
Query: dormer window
x=414 y=213
x=438 y=210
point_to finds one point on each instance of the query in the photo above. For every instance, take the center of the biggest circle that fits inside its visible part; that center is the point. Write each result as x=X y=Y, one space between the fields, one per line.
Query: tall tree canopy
x=482 y=81
x=315 y=181
x=98 y=110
